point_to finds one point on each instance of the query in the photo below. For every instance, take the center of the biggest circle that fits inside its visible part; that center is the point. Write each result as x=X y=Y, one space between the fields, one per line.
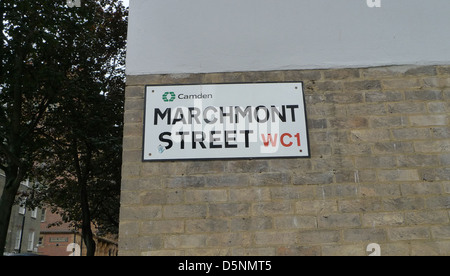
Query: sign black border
x=223 y=158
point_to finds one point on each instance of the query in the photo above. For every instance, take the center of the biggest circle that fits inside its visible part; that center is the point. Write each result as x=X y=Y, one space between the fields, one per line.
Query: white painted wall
x=198 y=36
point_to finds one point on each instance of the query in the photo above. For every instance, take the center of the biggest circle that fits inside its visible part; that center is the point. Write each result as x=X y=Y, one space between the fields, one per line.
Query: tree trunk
x=6 y=203
x=83 y=176
x=87 y=234
x=14 y=172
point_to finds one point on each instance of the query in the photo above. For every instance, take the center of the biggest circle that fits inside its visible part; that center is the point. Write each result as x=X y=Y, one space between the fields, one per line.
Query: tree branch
x=38 y=116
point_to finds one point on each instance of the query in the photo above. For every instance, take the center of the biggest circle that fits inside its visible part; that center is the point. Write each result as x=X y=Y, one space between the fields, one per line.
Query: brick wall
x=379 y=173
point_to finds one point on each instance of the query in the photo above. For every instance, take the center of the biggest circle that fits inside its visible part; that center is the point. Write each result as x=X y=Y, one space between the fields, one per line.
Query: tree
x=30 y=78
x=80 y=172
x=58 y=63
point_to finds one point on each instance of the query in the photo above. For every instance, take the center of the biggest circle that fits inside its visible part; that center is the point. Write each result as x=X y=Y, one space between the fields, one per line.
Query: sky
x=126 y=2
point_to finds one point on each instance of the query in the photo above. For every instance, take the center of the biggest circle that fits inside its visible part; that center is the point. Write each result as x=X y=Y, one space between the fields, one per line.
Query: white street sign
x=222 y=121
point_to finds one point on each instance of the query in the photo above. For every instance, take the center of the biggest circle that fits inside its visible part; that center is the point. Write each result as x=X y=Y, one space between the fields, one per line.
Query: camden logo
x=168 y=97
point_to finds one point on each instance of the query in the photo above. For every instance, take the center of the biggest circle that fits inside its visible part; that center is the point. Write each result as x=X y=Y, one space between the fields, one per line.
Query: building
x=41 y=232
x=24 y=225
x=376 y=86
x=60 y=239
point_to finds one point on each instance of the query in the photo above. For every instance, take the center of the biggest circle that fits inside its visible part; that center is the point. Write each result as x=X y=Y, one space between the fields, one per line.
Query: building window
x=41 y=241
x=22 y=207
x=18 y=237
x=30 y=241
x=43 y=211
x=34 y=213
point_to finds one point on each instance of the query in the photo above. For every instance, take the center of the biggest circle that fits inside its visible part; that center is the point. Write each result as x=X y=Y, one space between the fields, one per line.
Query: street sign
x=225 y=121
